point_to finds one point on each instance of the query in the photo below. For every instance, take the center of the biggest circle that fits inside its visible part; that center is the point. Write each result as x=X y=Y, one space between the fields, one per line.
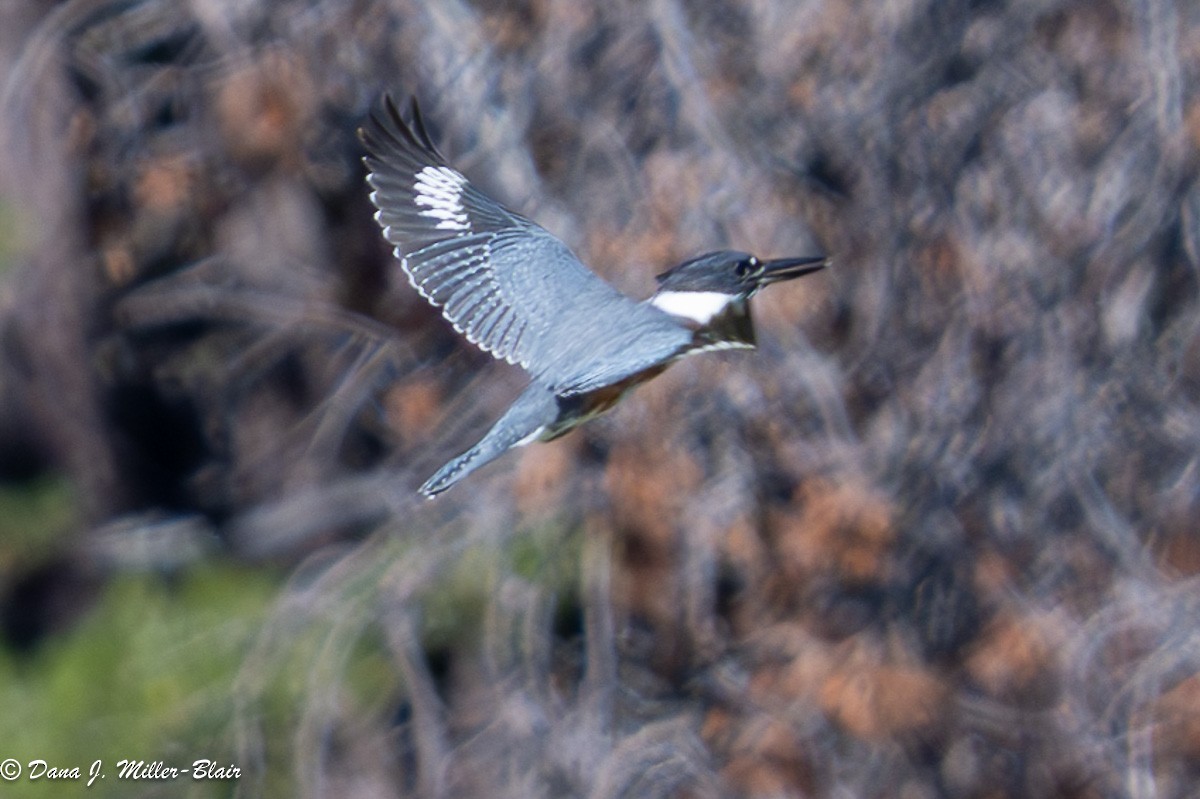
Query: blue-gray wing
x=505 y=283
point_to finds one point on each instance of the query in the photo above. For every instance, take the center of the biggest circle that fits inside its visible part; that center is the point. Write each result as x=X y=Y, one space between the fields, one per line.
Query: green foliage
x=32 y=515
x=9 y=240
x=147 y=675
x=225 y=660
x=453 y=607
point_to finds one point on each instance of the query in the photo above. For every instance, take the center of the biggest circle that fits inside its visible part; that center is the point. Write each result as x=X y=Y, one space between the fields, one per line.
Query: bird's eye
x=749 y=267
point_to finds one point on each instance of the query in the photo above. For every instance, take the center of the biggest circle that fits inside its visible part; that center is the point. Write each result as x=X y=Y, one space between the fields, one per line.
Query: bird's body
x=518 y=293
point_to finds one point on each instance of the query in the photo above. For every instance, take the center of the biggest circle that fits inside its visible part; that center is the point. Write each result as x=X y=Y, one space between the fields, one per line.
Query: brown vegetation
x=936 y=537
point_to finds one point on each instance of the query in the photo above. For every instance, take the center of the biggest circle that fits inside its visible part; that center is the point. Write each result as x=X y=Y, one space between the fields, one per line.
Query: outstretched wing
x=505 y=283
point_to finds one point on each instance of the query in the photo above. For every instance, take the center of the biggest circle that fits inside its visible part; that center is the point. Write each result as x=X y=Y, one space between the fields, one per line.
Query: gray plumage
x=520 y=294
x=504 y=282
x=534 y=411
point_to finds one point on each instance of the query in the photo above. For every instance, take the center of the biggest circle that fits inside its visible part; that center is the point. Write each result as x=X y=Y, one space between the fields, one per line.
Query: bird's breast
x=733 y=328
x=577 y=410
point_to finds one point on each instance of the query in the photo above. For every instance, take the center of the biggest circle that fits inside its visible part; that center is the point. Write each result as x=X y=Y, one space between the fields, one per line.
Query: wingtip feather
x=386 y=130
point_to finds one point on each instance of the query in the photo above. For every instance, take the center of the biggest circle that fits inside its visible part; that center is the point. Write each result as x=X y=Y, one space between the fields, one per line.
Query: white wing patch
x=439 y=189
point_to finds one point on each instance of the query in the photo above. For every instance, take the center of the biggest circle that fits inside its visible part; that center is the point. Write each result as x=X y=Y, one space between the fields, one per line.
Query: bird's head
x=702 y=287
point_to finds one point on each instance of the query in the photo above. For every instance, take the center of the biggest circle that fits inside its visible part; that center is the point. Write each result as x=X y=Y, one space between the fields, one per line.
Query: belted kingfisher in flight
x=518 y=293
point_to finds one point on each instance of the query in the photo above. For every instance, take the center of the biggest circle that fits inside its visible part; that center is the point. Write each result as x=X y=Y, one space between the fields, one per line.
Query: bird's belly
x=578 y=410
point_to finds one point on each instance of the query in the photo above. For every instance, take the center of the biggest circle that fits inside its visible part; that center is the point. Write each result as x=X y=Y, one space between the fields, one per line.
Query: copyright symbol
x=10 y=769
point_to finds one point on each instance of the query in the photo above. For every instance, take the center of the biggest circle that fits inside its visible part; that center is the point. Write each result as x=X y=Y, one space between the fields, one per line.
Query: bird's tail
x=528 y=417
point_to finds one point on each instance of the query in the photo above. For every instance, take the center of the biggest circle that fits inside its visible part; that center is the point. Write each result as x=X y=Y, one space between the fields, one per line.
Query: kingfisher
x=518 y=293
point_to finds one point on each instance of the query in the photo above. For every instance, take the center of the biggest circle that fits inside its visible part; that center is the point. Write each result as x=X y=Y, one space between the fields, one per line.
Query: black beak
x=782 y=269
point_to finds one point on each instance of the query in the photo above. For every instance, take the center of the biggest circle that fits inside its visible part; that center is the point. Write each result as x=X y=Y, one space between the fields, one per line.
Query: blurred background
x=937 y=537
